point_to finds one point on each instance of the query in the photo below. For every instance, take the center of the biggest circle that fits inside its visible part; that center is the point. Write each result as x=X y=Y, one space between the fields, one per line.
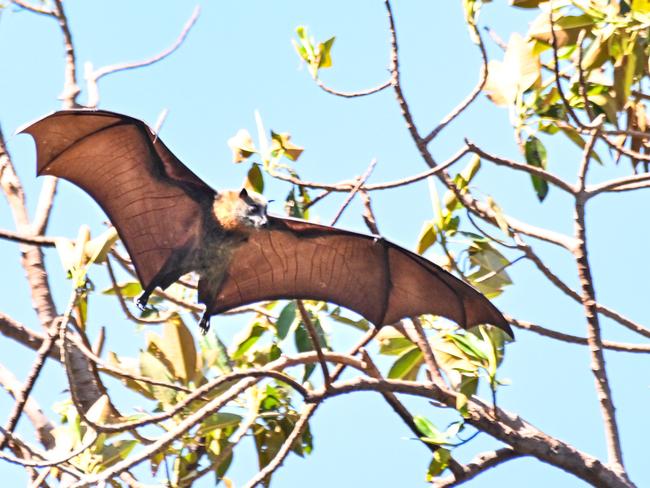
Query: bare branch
x=368 y=214
x=619 y=184
x=532 y=170
x=44 y=206
x=32 y=8
x=360 y=181
x=473 y=94
x=510 y=429
x=346 y=186
x=279 y=458
x=23 y=395
x=106 y=70
x=41 y=423
x=313 y=335
x=588 y=299
x=35 y=240
x=572 y=339
x=356 y=94
x=476 y=466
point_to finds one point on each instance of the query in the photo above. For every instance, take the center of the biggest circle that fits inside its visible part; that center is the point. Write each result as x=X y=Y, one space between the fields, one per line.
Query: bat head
x=240 y=211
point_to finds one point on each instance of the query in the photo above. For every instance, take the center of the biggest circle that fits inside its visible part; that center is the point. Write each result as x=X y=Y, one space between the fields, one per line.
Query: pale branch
x=313 y=335
x=44 y=206
x=32 y=8
x=360 y=181
x=509 y=428
x=166 y=439
x=588 y=299
x=13 y=329
x=27 y=238
x=368 y=214
x=22 y=396
x=420 y=338
x=46 y=461
x=42 y=425
x=476 y=466
x=392 y=400
x=526 y=168
x=346 y=186
x=618 y=184
x=554 y=279
x=107 y=368
x=70 y=87
x=122 y=301
x=573 y=339
x=233 y=441
x=360 y=93
x=473 y=94
x=280 y=456
x=93 y=76
x=478 y=208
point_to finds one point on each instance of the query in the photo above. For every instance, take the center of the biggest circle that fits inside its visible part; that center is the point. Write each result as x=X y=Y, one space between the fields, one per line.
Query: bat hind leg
x=204 y=323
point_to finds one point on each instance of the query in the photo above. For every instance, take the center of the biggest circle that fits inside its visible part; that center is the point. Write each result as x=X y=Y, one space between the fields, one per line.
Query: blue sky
x=238 y=59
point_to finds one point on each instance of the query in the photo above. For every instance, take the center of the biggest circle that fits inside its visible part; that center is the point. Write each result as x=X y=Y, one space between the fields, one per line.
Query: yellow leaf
x=241 y=145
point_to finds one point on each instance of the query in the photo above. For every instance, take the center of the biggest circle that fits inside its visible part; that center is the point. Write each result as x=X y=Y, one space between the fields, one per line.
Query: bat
x=172 y=223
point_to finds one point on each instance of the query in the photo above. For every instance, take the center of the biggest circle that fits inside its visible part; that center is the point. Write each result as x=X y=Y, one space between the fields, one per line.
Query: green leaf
x=407 y=365
x=286 y=319
x=254 y=179
x=218 y=420
x=394 y=346
x=439 y=463
x=324 y=48
x=429 y=430
x=535 y=153
x=250 y=337
x=129 y=289
x=281 y=145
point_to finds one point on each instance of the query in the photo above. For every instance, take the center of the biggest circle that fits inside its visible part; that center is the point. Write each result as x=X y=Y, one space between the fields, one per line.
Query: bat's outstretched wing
x=371 y=276
x=153 y=200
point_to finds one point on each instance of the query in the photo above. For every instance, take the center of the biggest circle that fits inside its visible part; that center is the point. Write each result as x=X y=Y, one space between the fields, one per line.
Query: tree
x=576 y=79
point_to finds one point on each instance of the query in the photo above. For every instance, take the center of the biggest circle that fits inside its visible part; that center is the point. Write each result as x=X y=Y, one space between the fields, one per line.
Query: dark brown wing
x=153 y=200
x=371 y=276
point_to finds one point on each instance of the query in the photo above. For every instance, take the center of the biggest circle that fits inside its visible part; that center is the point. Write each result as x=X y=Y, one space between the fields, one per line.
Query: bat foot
x=204 y=324
x=141 y=301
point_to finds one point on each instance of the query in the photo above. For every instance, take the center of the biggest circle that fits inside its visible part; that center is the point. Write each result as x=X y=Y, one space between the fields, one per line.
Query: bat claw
x=204 y=324
x=141 y=302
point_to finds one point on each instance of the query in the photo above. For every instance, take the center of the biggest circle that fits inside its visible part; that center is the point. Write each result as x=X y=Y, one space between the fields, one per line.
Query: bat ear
x=243 y=193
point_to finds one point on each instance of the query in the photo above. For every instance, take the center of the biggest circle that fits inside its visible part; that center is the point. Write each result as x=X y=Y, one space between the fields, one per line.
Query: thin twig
x=572 y=339
x=361 y=93
x=313 y=335
x=476 y=466
x=280 y=456
x=34 y=240
x=32 y=8
x=44 y=206
x=473 y=94
x=527 y=168
x=114 y=68
x=420 y=338
x=362 y=179
x=23 y=395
